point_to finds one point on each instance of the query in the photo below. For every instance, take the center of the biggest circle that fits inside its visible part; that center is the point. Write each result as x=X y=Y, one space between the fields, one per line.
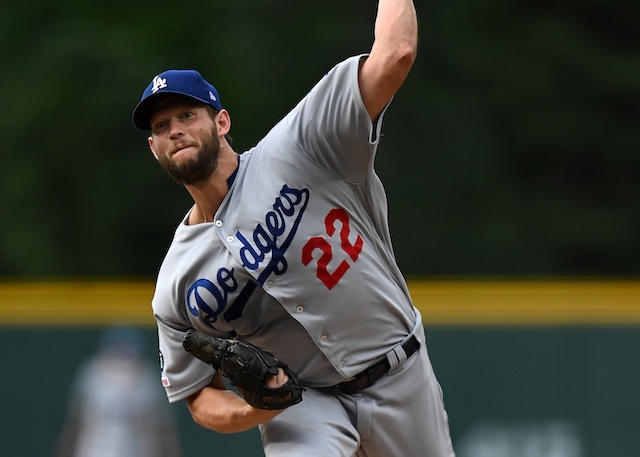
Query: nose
x=175 y=129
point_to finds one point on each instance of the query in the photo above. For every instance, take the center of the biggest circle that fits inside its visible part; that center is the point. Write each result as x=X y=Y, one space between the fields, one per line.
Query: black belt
x=369 y=376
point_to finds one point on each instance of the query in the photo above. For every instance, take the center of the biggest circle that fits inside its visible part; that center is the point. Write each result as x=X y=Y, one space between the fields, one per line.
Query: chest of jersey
x=289 y=240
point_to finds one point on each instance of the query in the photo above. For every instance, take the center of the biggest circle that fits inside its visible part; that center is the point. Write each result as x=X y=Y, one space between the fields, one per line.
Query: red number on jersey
x=319 y=243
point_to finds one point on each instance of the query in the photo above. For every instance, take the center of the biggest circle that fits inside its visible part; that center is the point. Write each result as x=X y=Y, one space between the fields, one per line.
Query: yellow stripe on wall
x=528 y=302
x=442 y=303
x=76 y=302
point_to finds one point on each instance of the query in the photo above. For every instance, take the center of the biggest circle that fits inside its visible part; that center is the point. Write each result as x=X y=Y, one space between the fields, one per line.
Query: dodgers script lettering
x=275 y=235
x=264 y=247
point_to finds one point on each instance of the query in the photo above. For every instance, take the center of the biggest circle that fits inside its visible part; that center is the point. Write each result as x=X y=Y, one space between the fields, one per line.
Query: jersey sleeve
x=332 y=126
x=182 y=373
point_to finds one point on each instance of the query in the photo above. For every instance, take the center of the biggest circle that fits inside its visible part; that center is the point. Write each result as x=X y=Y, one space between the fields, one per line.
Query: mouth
x=179 y=148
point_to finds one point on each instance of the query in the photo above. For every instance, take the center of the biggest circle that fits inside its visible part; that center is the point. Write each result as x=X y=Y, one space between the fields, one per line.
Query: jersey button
x=323 y=338
x=299 y=308
x=230 y=239
x=218 y=223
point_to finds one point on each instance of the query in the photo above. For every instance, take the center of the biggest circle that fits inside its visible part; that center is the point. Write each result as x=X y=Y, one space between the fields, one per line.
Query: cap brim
x=142 y=110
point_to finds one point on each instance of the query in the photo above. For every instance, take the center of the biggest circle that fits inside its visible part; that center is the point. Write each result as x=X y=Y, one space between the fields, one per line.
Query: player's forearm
x=396 y=30
x=225 y=412
x=392 y=55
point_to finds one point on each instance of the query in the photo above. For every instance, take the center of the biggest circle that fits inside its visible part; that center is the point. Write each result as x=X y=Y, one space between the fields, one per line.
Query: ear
x=223 y=122
x=152 y=147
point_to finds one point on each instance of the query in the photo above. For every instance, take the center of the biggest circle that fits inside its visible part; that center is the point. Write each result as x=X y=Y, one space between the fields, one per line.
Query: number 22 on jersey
x=320 y=243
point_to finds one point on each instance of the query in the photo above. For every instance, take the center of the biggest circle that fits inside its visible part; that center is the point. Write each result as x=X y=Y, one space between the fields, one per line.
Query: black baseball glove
x=245 y=366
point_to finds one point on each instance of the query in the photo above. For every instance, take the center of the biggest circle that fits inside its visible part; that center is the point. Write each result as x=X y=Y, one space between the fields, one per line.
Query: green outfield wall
x=529 y=368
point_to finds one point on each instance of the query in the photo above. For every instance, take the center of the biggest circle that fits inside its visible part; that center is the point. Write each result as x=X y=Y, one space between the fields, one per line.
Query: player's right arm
x=217 y=408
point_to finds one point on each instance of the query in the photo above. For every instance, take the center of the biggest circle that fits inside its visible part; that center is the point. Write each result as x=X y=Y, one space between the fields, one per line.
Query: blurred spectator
x=117 y=406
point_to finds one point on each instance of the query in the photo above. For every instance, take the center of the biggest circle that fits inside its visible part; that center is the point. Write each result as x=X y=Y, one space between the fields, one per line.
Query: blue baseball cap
x=189 y=83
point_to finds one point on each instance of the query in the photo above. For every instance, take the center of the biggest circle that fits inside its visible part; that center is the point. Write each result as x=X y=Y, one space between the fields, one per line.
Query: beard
x=196 y=170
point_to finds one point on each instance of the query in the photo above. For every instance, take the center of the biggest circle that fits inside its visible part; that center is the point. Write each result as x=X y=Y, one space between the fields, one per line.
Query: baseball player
x=281 y=278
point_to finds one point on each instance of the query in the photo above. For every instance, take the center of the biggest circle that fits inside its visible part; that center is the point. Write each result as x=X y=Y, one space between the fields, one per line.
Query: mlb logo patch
x=165 y=381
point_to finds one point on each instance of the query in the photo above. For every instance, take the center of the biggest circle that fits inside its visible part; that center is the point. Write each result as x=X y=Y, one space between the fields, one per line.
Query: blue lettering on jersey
x=196 y=301
x=274 y=236
x=277 y=233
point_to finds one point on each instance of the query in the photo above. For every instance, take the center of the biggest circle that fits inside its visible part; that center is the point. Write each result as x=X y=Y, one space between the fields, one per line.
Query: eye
x=159 y=126
x=187 y=114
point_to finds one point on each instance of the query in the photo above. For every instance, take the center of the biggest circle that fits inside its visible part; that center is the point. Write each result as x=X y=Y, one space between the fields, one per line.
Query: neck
x=209 y=195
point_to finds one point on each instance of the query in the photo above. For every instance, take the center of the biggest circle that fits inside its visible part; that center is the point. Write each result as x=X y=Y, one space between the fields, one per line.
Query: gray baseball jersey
x=298 y=260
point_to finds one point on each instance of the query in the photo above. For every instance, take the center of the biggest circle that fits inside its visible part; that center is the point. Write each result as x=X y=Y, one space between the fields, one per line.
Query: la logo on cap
x=158 y=83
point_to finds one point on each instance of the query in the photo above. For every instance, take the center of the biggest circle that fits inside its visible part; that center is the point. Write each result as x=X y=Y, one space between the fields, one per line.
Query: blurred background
x=510 y=154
